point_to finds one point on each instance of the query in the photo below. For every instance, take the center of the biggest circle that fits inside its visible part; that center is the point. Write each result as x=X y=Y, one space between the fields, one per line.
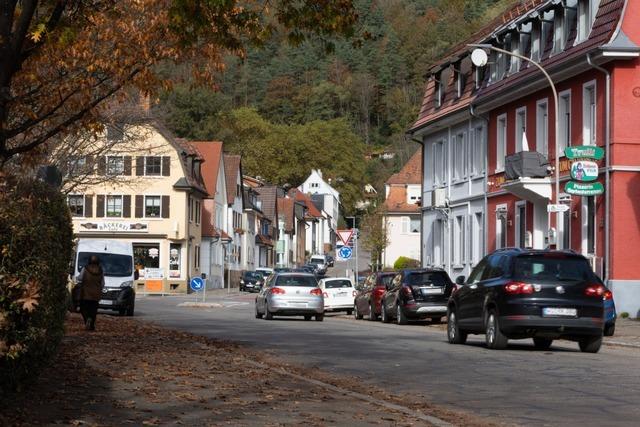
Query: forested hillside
x=289 y=108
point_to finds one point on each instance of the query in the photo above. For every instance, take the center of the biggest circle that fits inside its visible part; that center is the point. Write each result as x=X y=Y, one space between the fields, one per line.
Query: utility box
x=439 y=198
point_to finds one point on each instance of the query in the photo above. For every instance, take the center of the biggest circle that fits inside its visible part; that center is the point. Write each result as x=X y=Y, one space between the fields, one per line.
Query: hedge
x=35 y=250
x=405 y=262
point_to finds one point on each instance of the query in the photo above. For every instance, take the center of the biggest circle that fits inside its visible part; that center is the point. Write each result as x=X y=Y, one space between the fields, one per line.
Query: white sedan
x=339 y=294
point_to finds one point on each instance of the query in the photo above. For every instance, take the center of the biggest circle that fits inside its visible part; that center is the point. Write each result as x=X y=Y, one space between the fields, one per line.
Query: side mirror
x=460 y=280
x=136 y=274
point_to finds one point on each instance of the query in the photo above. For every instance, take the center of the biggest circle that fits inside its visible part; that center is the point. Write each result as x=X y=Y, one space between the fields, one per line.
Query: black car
x=541 y=294
x=330 y=260
x=251 y=281
x=416 y=294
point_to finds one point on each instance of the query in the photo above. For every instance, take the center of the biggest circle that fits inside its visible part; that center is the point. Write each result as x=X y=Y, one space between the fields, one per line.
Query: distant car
x=369 y=296
x=282 y=270
x=320 y=262
x=311 y=268
x=290 y=294
x=520 y=293
x=330 y=260
x=251 y=281
x=265 y=271
x=338 y=294
x=609 y=314
x=416 y=294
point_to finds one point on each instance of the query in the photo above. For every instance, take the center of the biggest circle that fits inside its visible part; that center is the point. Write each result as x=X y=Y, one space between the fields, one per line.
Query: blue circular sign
x=345 y=252
x=196 y=284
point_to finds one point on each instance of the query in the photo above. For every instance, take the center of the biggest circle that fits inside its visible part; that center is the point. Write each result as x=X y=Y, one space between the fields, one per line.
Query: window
x=547 y=35
x=459 y=158
x=564 y=121
x=570 y=19
x=77 y=165
x=196 y=257
x=115 y=165
x=414 y=225
x=587 y=11
x=521 y=224
x=558 y=31
x=146 y=255
x=536 y=45
x=198 y=211
x=521 y=128
x=437 y=234
x=514 y=67
x=440 y=163
x=565 y=230
x=477 y=151
x=76 y=205
x=479 y=76
x=153 y=165
x=191 y=211
x=404 y=223
x=114 y=207
x=152 y=206
x=477 y=245
x=501 y=226
x=439 y=89
x=501 y=146
x=174 y=260
x=542 y=127
x=459 y=240
x=589 y=114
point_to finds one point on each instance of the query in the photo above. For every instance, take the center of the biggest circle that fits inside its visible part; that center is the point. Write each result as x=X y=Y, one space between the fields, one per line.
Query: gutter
x=486 y=174
x=421 y=142
x=607 y=197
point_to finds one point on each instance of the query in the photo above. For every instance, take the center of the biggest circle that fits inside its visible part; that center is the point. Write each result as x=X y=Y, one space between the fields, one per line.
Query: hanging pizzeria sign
x=584 y=170
x=584 y=152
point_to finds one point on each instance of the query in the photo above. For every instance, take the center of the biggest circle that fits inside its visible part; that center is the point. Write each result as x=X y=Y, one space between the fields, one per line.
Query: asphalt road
x=518 y=385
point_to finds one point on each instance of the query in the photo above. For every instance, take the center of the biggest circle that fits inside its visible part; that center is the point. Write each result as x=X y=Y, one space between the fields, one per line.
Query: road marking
x=407 y=411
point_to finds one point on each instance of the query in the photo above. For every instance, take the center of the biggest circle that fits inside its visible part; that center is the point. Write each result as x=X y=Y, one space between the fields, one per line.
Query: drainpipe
x=421 y=142
x=607 y=197
x=473 y=113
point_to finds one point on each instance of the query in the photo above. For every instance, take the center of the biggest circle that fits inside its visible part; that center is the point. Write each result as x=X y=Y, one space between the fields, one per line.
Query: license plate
x=432 y=291
x=297 y=305
x=106 y=302
x=341 y=294
x=563 y=312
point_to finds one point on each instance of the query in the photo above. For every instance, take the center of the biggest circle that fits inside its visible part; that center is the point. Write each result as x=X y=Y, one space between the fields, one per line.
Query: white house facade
x=327 y=199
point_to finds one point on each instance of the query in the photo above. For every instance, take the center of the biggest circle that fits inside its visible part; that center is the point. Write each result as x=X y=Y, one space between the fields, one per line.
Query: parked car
x=251 y=281
x=541 y=294
x=265 y=271
x=369 y=296
x=338 y=294
x=290 y=294
x=609 y=314
x=282 y=270
x=330 y=260
x=320 y=262
x=416 y=294
x=311 y=268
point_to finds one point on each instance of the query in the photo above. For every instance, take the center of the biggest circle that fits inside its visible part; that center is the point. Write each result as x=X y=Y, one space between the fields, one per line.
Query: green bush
x=405 y=262
x=35 y=249
x=624 y=315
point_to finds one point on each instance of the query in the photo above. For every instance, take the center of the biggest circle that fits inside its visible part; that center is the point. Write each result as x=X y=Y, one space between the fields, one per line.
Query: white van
x=116 y=259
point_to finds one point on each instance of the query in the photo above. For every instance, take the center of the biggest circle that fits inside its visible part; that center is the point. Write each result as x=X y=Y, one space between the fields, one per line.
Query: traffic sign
x=557 y=208
x=345 y=252
x=197 y=284
x=345 y=235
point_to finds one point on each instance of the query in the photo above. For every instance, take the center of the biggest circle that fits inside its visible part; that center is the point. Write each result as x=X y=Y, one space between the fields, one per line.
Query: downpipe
x=473 y=113
x=422 y=234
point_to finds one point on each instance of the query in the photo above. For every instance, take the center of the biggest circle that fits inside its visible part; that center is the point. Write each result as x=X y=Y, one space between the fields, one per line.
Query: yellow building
x=145 y=187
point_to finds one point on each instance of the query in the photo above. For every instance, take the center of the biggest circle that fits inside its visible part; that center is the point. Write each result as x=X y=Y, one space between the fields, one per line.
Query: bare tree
x=375 y=234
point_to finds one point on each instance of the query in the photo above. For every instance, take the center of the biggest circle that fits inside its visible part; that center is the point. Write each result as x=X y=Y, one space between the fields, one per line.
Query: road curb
x=621 y=344
x=407 y=411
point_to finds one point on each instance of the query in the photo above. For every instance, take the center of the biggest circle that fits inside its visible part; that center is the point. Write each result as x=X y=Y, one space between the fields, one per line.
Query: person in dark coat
x=91 y=282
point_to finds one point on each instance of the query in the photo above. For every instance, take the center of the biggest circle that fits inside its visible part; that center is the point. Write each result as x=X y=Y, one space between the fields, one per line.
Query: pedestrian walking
x=91 y=282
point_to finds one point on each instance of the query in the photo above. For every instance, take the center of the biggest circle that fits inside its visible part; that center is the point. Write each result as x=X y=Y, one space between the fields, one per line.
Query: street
x=518 y=385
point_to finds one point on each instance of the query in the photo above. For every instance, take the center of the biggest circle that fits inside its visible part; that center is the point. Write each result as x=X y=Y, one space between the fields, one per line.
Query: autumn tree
x=375 y=234
x=61 y=59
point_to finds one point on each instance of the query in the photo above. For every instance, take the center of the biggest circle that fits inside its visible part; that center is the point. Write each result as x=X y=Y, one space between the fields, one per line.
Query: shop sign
x=584 y=189
x=116 y=227
x=584 y=152
x=153 y=273
x=584 y=170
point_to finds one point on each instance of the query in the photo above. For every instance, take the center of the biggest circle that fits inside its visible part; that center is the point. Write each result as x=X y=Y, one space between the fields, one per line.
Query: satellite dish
x=479 y=57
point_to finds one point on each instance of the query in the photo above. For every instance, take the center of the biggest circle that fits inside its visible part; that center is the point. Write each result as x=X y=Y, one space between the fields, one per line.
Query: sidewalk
x=627 y=333
x=132 y=373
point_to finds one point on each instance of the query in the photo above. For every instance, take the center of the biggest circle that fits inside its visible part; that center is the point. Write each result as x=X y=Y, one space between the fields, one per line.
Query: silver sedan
x=290 y=294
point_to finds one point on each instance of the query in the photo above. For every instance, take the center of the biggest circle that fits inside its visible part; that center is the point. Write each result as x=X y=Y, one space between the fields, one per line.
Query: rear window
x=302 y=281
x=552 y=268
x=426 y=278
x=386 y=279
x=331 y=284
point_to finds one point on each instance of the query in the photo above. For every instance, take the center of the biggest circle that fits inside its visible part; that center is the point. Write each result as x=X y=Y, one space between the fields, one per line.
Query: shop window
x=174 y=260
x=146 y=255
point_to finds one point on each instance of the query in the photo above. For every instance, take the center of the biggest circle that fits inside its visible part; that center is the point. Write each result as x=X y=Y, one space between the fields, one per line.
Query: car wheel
x=400 y=317
x=356 y=313
x=609 y=330
x=349 y=312
x=319 y=317
x=372 y=312
x=454 y=334
x=268 y=315
x=258 y=314
x=131 y=309
x=542 y=343
x=383 y=314
x=494 y=337
x=590 y=344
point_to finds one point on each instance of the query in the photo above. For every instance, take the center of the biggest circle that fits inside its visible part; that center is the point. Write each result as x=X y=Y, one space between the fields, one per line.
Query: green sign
x=584 y=152
x=584 y=170
x=583 y=188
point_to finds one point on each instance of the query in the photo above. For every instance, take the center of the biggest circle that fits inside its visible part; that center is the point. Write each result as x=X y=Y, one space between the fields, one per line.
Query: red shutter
x=139 y=206
x=166 y=165
x=88 y=206
x=100 y=206
x=126 y=206
x=165 y=206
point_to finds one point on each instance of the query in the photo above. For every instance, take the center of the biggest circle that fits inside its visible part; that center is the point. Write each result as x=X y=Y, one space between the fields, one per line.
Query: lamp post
x=480 y=59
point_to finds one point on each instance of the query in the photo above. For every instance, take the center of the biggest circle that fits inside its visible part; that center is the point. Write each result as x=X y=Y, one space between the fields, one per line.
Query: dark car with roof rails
x=518 y=293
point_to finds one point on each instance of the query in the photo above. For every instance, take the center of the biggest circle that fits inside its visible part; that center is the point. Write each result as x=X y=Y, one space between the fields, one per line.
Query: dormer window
x=525 y=41
x=558 y=31
x=439 y=92
x=547 y=24
x=535 y=39
x=478 y=76
x=587 y=11
x=514 y=67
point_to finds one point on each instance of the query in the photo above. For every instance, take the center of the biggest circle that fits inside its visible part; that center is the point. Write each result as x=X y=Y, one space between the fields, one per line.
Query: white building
x=326 y=199
x=235 y=211
x=403 y=212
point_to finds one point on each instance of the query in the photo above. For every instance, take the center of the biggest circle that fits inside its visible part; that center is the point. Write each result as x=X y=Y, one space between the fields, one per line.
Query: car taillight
x=407 y=291
x=595 y=291
x=277 y=291
x=316 y=291
x=518 y=288
x=608 y=295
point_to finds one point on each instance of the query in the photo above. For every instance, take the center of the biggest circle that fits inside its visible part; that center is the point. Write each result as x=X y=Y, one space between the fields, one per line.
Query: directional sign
x=197 y=284
x=584 y=189
x=584 y=152
x=345 y=252
x=345 y=235
x=557 y=208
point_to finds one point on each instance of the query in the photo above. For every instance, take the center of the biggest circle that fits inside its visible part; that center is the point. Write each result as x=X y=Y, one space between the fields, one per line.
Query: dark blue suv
x=519 y=293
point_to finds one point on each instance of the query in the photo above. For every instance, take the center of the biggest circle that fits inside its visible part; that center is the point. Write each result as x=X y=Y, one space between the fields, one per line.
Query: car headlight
x=127 y=284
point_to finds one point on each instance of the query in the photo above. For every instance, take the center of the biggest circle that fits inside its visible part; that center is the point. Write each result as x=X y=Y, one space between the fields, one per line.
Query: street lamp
x=480 y=59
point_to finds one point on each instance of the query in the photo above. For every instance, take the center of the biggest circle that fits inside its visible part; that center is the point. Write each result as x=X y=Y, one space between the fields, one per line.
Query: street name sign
x=584 y=170
x=584 y=152
x=584 y=189
x=557 y=208
x=345 y=235
x=197 y=284
x=345 y=253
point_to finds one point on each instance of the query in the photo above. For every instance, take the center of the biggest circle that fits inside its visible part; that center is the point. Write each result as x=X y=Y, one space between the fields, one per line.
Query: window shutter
x=166 y=166
x=139 y=206
x=127 y=166
x=165 y=206
x=88 y=206
x=89 y=164
x=102 y=165
x=139 y=166
x=100 y=206
x=126 y=206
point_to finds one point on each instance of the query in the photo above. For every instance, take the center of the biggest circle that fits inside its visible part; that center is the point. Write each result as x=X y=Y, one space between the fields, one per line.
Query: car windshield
x=426 y=278
x=115 y=265
x=386 y=279
x=250 y=275
x=331 y=284
x=302 y=281
x=553 y=268
x=316 y=261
